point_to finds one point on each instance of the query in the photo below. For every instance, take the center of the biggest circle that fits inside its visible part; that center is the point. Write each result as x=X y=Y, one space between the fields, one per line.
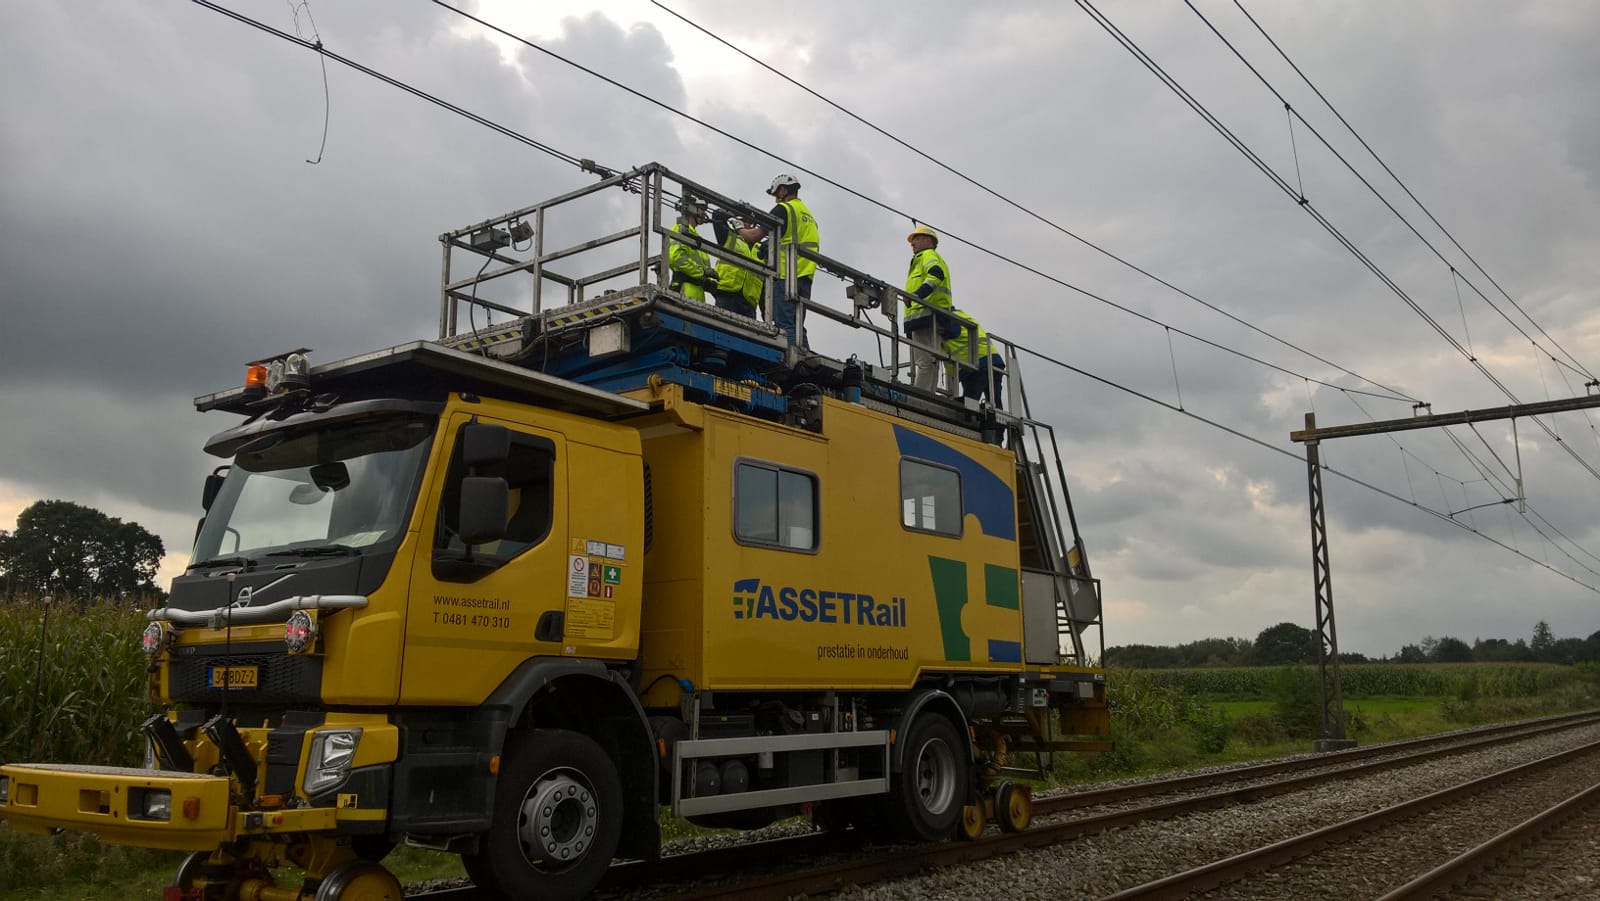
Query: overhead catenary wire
x=583 y=164
x=1020 y=207
x=1266 y=169
x=1397 y=180
x=1442 y=516
x=1456 y=276
x=1368 y=184
x=440 y=102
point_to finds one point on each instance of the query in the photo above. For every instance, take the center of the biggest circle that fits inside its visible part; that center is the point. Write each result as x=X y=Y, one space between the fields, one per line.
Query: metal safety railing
x=520 y=249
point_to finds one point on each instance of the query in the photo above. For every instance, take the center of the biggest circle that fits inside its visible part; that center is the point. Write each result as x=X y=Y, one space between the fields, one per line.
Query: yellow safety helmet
x=923 y=230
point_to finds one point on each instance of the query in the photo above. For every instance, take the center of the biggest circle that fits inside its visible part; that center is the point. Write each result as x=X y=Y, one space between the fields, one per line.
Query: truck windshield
x=317 y=492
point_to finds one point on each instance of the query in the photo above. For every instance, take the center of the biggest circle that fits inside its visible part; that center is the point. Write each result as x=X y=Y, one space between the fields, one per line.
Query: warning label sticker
x=591 y=618
x=578 y=576
x=596 y=548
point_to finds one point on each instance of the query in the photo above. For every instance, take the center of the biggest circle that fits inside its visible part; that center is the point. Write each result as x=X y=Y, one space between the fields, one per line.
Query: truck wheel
x=557 y=819
x=931 y=787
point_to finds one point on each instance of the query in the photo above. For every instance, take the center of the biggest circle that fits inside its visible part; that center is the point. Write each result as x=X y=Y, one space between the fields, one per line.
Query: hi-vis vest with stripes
x=920 y=274
x=801 y=229
x=735 y=279
x=688 y=264
x=957 y=346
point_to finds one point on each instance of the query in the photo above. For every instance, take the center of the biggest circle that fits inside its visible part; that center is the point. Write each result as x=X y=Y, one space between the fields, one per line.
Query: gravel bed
x=1370 y=865
x=1100 y=865
x=1562 y=866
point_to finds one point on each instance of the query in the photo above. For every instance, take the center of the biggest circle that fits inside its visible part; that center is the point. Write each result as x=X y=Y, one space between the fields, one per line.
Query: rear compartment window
x=930 y=498
x=774 y=506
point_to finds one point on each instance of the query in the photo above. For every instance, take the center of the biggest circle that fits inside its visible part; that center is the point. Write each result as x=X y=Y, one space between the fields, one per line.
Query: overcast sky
x=160 y=226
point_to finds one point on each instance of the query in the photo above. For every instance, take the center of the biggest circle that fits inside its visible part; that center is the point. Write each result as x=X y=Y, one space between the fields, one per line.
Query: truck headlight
x=332 y=752
x=152 y=804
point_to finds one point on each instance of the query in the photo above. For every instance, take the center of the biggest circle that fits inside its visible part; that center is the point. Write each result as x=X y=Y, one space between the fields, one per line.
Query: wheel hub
x=559 y=819
x=935 y=770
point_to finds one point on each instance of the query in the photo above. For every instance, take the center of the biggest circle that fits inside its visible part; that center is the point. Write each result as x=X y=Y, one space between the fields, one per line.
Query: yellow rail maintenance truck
x=511 y=592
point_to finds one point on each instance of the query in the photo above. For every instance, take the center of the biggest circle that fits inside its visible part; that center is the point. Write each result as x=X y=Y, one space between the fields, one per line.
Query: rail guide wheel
x=360 y=880
x=973 y=818
x=1013 y=806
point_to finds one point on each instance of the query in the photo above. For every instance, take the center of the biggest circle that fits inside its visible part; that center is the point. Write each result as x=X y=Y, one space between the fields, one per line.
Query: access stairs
x=617 y=326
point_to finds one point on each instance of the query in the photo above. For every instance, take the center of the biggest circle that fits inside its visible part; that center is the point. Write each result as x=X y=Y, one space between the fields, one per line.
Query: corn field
x=1485 y=680
x=83 y=701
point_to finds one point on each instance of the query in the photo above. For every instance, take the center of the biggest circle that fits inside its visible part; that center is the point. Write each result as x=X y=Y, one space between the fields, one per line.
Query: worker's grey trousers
x=924 y=338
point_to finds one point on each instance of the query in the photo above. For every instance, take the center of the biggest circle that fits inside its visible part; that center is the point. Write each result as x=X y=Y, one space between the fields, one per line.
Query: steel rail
x=1464 y=740
x=1231 y=869
x=1467 y=864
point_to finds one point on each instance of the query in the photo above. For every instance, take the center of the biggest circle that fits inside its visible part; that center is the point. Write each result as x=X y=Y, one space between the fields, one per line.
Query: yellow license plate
x=235 y=676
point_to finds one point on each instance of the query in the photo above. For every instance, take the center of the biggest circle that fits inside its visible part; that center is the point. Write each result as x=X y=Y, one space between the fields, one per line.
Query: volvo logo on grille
x=247 y=594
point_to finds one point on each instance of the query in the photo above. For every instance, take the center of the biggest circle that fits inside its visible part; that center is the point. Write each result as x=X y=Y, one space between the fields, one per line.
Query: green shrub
x=1212 y=731
x=1258 y=730
x=1296 y=694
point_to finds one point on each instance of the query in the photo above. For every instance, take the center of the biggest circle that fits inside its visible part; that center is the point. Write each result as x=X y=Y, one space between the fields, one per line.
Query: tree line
x=1286 y=643
x=68 y=550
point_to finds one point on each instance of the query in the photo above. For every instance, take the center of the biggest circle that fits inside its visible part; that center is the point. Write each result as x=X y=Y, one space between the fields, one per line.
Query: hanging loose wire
x=316 y=42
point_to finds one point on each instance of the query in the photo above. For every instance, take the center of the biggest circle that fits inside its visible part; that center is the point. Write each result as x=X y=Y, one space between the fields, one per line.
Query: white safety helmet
x=784 y=180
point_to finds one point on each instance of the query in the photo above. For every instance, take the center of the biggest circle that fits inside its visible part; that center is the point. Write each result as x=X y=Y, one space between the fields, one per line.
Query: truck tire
x=557 y=819
x=931 y=787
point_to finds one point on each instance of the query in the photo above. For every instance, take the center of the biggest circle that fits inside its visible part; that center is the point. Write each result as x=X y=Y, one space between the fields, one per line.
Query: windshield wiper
x=318 y=550
x=245 y=562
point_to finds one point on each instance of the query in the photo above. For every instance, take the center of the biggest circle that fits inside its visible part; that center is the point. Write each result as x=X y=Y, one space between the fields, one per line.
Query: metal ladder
x=1055 y=564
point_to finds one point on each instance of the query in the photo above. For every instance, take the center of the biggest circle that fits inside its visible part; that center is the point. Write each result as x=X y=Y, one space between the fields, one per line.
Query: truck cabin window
x=774 y=506
x=318 y=491
x=529 y=472
x=930 y=498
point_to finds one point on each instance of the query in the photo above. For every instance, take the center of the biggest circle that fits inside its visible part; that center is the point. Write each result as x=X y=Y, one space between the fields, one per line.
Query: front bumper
x=104 y=800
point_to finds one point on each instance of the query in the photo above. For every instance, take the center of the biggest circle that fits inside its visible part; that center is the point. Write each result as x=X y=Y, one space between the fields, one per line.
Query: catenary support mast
x=1333 y=736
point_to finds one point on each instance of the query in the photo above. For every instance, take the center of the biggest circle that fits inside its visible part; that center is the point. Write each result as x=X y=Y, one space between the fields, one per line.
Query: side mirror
x=213 y=485
x=484 y=445
x=485 y=502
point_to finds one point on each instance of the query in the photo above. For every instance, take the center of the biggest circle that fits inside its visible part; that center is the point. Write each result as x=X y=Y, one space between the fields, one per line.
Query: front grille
x=280 y=678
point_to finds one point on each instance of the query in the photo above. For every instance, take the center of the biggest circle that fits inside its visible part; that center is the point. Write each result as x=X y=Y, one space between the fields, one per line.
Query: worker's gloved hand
x=709 y=283
x=720 y=215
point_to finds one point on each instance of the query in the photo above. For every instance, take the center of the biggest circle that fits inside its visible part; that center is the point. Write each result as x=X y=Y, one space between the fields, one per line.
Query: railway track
x=821 y=863
x=1371 y=850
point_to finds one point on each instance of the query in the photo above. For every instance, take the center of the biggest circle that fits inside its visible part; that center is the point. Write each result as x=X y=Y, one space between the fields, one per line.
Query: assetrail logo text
x=753 y=600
